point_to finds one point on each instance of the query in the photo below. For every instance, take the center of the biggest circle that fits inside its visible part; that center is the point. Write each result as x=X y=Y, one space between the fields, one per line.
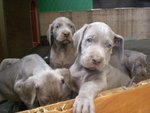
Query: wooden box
x=135 y=99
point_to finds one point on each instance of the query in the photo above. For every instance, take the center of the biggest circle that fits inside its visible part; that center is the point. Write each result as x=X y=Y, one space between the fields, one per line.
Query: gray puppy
x=59 y=35
x=8 y=62
x=33 y=82
x=91 y=71
x=135 y=62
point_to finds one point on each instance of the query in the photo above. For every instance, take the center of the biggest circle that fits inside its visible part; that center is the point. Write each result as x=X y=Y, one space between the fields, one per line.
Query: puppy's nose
x=96 y=61
x=66 y=34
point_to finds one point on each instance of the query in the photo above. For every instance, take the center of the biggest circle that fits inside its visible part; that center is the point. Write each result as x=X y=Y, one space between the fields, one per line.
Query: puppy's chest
x=79 y=77
x=61 y=59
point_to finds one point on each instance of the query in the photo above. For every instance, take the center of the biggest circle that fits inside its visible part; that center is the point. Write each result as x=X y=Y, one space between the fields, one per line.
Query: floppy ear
x=132 y=70
x=26 y=91
x=119 y=46
x=74 y=28
x=78 y=36
x=129 y=64
x=50 y=34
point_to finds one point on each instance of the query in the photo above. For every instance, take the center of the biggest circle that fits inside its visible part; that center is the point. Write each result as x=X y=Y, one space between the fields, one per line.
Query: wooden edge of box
x=135 y=99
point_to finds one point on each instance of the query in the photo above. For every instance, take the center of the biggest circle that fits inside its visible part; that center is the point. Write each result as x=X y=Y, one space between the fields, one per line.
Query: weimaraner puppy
x=91 y=71
x=31 y=81
x=59 y=35
x=8 y=62
x=135 y=62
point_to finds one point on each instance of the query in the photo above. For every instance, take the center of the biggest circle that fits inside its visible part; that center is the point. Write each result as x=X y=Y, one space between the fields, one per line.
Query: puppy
x=91 y=71
x=31 y=81
x=7 y=62
x=135 y=62
x=59 y=35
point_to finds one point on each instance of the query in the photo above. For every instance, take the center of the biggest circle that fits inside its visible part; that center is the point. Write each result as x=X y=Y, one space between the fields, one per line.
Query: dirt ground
x=138 y=45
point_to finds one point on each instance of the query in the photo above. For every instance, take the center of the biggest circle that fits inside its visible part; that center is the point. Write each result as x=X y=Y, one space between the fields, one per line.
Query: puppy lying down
x=33 y=82
x=8 y=62
x=136 y=64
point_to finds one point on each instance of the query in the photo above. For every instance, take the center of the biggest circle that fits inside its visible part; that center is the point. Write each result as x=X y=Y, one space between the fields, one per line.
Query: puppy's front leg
x=84 y=102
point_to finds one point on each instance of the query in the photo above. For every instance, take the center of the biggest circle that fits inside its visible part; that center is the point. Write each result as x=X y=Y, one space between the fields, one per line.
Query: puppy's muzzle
x=66 y=37
x=66 y=34
x=97 y=61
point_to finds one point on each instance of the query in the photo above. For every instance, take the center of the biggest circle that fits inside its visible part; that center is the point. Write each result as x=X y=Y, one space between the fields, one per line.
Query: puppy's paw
x=83 y=105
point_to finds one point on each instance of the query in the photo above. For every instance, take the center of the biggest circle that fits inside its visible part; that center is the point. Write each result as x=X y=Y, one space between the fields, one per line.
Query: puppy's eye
x=89 y=40
x=109 y=45
x=62 y=81
x=58 y=25
x=71 y=26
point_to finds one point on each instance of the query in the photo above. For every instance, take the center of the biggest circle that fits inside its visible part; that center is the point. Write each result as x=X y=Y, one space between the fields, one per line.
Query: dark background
x=120 y=3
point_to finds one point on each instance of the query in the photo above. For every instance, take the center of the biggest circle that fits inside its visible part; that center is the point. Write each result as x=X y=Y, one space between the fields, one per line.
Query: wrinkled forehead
x=99 y=30
x=62 y=21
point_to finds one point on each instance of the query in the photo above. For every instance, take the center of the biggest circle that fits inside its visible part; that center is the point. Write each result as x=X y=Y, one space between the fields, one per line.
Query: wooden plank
x=120 y=100
x=132 y=101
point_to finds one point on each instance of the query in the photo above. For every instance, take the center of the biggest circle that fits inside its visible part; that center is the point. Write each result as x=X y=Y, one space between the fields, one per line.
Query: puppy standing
x=91 y=71
x=59 y=35
x=33 y=82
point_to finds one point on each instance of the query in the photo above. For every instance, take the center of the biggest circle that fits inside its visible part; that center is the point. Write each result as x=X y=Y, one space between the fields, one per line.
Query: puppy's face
x=62 y=30
x=139 y=66
x=53 y=87
x=94 y=43
x=96 y=46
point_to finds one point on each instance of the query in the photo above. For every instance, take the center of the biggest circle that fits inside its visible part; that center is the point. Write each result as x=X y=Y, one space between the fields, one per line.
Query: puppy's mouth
x=95 y=68
x=63 y=41
x=91 y=68
x=66 y=41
